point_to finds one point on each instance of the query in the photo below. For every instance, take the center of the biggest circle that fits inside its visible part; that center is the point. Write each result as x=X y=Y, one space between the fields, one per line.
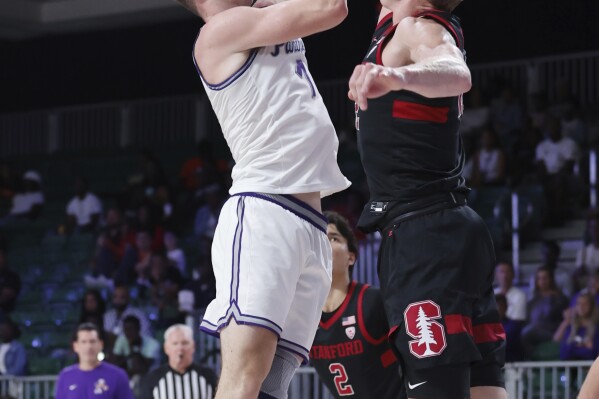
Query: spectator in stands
x=196 y=382
x=588 y=256
x=507 y=115
x=522 y=153
x=516 y=297
x=134 y=267
x=110 y=249
x=165 y=281
x=146 y=219
x=93 y=308
x=579 y=334
x=165 y=209
x=591 y=288
x=113 y=318
x=136 y=353
x=545 y=311
x=84 y=210
x=27 y=202
x=574 y=127
x=13 y=357
x=556 y=157
x=10 y=285
x=550 y=253
x=489 y=161
x=90 y=377
x=513 y=331
x=477 y=113
x=174 y=253
x=8 y=181
x=207 y=215
x=203 y=283
x=150 y=174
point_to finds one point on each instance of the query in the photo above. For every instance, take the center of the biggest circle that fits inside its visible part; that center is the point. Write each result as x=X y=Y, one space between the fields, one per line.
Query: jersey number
x=343 y=388
x=302 y=72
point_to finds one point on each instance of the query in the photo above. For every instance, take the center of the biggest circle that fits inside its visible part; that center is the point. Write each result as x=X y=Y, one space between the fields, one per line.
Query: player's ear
x=352 y=258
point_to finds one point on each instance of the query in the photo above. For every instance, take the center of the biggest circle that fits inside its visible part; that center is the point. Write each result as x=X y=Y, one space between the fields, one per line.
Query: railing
x=39 y=387
x=525 y=380
x=189 y=118
x=545 y=380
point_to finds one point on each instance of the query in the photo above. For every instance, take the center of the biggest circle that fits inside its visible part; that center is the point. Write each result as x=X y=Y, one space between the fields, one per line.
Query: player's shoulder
x=368 y=291
x=420 y=30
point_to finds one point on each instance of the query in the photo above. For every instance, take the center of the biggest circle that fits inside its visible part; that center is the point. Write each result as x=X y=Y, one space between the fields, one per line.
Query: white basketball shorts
x=272 y=261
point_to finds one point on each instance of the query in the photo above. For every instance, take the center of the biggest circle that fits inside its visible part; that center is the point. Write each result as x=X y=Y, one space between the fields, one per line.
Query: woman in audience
x=544 y=311
x=579 y=336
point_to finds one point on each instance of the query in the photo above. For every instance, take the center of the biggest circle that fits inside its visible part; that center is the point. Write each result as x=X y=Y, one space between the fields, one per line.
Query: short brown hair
x=445 y=5
x=189 y=5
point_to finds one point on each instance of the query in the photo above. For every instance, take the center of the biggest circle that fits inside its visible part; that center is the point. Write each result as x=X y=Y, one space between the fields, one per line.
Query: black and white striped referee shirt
x=165 y=383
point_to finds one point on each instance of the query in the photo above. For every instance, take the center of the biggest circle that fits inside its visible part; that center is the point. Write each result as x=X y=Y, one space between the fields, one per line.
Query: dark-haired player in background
x=436 y=258
x=351 y=352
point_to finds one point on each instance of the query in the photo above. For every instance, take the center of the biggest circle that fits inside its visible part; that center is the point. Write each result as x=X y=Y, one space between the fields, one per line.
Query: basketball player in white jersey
x=271 y=256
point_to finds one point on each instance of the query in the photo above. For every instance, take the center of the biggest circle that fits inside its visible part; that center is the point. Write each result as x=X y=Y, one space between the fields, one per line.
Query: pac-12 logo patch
x=429 y=335
x=350 y=332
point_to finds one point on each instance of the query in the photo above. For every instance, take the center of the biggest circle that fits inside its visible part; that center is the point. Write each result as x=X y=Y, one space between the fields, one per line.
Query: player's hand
x=372 y=81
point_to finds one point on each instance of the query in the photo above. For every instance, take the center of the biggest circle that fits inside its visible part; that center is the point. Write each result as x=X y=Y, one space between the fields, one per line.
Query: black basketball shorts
x=436 y=273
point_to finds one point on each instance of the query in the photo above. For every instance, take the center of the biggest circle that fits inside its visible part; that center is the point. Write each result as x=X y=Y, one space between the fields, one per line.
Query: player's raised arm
x=437 y=67
x=244 y=28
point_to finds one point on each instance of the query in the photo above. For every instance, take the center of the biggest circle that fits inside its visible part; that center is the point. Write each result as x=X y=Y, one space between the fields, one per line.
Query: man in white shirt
x=516 y=297
x=556 y=157
x=83 y=211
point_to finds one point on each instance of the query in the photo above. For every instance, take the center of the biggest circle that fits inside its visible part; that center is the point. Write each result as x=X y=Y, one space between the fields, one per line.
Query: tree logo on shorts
x=429 y=335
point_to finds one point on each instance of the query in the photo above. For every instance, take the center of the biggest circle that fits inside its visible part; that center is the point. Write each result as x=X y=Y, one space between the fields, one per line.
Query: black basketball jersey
x=351 y=353
x=409 y=144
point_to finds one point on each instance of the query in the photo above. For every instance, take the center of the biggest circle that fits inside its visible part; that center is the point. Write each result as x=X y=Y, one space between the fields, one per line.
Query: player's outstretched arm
x=590 y=386
x=437 y=67
x=244 y=28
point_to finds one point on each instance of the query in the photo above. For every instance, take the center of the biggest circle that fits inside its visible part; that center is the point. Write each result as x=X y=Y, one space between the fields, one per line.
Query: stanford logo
x=350 y=332
x=429 y=335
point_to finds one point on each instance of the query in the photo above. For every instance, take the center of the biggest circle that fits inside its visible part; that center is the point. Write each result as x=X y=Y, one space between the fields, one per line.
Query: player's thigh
x=247 y=350
x=311 y=292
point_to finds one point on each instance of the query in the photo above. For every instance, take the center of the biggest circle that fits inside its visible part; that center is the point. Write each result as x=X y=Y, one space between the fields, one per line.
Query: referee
x=180 y=378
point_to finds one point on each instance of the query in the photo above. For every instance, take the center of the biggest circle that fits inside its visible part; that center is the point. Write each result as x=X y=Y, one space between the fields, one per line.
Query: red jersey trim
x=489 y=332
x=419 y=112
x=341 y=308
x=384 y=38
x=384 y=20
x=367 y=336
x=388 y=358
x=457 y=324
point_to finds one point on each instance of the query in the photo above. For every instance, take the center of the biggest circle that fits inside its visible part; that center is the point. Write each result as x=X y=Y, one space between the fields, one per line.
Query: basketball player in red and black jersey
x=436 y=258
x=351 y=353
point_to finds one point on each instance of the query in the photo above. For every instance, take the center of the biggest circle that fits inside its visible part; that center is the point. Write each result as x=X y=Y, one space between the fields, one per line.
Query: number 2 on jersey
x=343 y=388
x=302 y=72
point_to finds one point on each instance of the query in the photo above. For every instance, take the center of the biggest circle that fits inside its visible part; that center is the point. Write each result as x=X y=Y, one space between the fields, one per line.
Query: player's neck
x=337 y=295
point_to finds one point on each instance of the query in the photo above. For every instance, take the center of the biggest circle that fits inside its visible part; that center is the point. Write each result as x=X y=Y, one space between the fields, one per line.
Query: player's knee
x=277 y=381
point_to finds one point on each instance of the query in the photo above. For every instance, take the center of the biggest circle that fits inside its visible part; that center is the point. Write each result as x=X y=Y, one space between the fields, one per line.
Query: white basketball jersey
x=276 y=125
